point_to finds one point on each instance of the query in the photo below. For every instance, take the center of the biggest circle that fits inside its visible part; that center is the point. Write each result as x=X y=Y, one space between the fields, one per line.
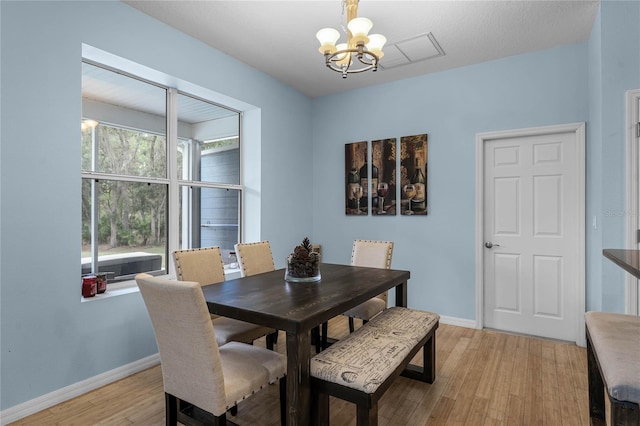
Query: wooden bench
x=362 y=366
x=613 y=362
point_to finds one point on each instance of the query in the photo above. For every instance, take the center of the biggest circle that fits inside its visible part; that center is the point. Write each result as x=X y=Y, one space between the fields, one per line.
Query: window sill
x=119 y=289
x=127 y=287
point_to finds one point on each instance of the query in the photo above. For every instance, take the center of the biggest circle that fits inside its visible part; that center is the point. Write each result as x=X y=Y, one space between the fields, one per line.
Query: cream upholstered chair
x=254 y=258
x=204 y=265
x=372 y=254
x=197 y=374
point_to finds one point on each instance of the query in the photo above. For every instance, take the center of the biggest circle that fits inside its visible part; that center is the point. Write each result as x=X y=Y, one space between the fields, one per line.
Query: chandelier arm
x=330 y=62
x=347 y=70
x=360 y=54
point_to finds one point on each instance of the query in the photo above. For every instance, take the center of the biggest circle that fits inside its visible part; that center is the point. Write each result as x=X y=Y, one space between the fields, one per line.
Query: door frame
x=578 y=129
x=633 y=203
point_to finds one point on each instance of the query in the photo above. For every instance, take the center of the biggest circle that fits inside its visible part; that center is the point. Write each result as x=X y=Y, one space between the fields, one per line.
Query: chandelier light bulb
x=376 y=42
x=327 y=38
x=359 y=28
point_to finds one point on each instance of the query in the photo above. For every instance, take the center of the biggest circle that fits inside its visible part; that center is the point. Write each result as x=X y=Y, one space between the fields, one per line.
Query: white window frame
x=174 y=183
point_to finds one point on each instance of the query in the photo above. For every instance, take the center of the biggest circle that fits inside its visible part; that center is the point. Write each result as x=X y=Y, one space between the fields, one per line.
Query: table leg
x=401 y=294
x=298 y=388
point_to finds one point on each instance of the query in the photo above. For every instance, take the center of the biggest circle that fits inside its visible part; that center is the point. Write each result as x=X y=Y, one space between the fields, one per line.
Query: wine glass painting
x=413 y=171
x=383 y=177
x=356 y=179
x=373 y=182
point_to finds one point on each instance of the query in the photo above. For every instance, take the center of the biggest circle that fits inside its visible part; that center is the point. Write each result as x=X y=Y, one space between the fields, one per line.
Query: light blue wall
x=619 y=54
x=536 y=89
x=49 y=339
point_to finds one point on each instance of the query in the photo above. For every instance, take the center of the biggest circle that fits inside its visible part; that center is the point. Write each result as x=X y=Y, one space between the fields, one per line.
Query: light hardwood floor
x=483 y=377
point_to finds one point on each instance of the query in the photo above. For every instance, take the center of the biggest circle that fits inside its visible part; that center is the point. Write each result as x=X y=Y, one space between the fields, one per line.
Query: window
x=146 y=191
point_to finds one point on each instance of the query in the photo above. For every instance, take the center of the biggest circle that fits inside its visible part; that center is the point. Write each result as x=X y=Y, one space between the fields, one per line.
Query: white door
x=533 y=244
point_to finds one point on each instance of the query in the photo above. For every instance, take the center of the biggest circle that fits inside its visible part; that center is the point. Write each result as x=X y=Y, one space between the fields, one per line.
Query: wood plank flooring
x=483 y=377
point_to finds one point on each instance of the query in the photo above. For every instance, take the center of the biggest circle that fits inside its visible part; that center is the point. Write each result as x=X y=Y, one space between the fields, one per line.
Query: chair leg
x=283 y=401
x=171 y=409
x=269 y=339
x=315 y=339
x=234 y=410
x=624 y=413
x=186 y=413
x=351 y=325
x=272 y=339
x=324 y=335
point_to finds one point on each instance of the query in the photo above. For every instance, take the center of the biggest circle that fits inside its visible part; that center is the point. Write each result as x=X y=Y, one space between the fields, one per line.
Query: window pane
x=208 y=149
x=132 y=227
x=124 y=124
x=124 y=152
x=209 y=217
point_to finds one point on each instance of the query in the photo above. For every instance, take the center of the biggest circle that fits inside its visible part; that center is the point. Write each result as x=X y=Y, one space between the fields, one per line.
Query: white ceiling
x=278 y=37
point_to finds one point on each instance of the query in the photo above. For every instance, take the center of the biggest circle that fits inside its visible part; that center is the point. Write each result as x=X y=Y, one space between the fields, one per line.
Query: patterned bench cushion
x=616 y=342
x=367 y=357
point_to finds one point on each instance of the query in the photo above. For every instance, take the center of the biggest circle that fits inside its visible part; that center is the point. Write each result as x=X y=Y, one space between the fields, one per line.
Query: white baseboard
x=43 y=402
x=460 y=322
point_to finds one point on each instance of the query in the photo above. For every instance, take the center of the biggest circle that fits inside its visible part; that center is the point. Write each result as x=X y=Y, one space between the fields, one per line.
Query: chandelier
x=361 y=52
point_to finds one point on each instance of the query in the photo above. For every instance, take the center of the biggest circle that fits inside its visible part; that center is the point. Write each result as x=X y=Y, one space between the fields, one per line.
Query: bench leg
x=367 y=416
x=596 y=386
x=429 y=359
x=427 y=373
x=624 y=414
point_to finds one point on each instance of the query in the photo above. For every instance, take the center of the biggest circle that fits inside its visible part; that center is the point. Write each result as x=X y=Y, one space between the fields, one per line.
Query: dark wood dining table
x=627 y=259
x=296 y=308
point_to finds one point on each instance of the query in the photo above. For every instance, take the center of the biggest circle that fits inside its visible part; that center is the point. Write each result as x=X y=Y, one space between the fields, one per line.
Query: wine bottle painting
x=357 y=181
x=413 y=175
x=383 y=170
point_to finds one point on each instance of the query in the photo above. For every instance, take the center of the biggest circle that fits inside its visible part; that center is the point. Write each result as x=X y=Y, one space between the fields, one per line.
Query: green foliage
x=220 y=143
x=130 y=213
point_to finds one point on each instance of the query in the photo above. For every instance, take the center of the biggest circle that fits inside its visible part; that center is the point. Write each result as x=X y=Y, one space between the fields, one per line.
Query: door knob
x=489 y=244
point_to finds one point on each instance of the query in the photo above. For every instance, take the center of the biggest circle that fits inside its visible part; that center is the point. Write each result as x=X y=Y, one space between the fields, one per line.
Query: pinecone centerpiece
x=303 y=265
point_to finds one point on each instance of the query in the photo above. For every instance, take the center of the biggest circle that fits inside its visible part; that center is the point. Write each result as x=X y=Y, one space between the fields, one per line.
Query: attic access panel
x=415 y=49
